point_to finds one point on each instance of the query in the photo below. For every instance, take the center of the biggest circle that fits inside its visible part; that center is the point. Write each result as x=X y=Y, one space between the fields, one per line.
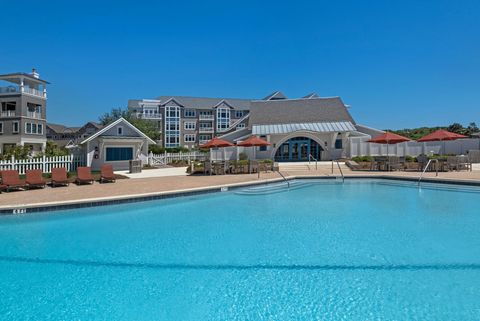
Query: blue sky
x=397 y=63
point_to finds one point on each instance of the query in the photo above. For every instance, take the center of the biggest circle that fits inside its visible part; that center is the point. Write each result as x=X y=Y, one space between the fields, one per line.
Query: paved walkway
x=130 y=187
x=157 y=172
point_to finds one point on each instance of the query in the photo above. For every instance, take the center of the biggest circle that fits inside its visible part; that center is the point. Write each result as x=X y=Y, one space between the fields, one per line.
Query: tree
x=456 y=128
x=147 y=127
x=52 y=149
x=472 y=129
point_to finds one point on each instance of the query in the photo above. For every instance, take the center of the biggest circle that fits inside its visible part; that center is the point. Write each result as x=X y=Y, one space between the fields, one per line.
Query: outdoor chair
x=422 y=162
x=207 y=167
x=394 y=163
x=34 y=178
x=11 y=179
x=218 y=169
x=464 y=163
x=253 y=167
x=59 y=177
x=107 y=174
x=84 y=176
x=3 y=188
x=452 y=163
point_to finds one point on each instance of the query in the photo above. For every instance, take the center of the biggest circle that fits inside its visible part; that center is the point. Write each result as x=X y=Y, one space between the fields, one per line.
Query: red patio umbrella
x=442 y=136
x=253 y=141
x=389 y=138
x=217 y=143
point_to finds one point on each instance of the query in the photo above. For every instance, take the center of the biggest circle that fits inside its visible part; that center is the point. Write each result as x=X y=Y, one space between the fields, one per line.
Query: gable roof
x=118 y=121
x=289 y=111
x=311 y=95
x=275 y=96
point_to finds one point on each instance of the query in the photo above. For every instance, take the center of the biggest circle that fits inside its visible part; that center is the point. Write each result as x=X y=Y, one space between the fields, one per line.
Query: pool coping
x=134 y=198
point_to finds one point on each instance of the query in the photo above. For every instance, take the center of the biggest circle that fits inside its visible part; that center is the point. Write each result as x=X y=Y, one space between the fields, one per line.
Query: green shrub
x=242 y=156
x=360 y=159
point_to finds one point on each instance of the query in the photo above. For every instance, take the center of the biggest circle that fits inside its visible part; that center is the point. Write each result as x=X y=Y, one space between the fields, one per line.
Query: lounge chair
x=107 y=174
x=353 y=165
x=34 y=178
x=59 y=177
x=84 y=176
x=11 y=179
x=3 y=188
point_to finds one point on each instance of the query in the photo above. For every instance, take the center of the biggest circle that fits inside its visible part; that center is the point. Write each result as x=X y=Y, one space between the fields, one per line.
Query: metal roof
x=323 y=127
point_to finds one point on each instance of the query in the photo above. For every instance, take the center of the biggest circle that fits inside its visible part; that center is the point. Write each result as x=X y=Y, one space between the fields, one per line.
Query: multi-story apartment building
x=23 y=100
x=71 y=136
x=191 y=121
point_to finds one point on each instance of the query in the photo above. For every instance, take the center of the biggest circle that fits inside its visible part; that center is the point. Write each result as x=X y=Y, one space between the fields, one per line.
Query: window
x=1 y=127
x=15 y=127
x=205 y=113
x=339 y=143
x=240 y=126
x=113 y=154
x=32 y=128
x=204 y=138
x=223 y=119
x=172 y=126
x=120 y=131
x=189 y=125
x=189 y=138
x=8 y=108
x=238 y=113
x=190 y=113
x=263 y=148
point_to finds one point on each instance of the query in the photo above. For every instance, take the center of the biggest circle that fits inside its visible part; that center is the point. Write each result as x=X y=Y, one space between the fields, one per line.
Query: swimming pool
x=322 y=250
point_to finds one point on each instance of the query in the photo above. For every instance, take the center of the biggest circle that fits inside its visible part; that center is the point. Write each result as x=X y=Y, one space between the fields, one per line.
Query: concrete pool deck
x=131 y=188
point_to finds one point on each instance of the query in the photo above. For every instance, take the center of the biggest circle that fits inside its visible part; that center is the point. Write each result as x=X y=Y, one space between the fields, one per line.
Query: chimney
x=35 y=74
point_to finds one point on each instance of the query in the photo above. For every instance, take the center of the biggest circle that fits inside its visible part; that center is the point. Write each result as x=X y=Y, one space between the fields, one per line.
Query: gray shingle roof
x=198 y=102
x=290 y=111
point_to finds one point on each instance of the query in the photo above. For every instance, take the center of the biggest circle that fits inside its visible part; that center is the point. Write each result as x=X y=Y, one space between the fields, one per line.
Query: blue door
x=298 y=149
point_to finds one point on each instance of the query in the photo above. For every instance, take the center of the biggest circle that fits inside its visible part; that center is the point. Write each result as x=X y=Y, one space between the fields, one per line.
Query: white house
x=116 y=144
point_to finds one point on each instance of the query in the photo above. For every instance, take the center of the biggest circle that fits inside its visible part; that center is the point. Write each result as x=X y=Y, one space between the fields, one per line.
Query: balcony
x=153 y=116
x=27 y=90
x=34 y=114
x=206 y=117
x=8 y=113
x=205 y=130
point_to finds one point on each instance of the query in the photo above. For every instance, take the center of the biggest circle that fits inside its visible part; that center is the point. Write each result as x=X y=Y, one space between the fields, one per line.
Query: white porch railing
x=46 y=164
x=205 y=117
x=8 y=113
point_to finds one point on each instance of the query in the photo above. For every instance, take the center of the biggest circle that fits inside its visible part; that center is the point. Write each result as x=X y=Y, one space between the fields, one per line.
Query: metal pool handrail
x=286 y=180
x=340 y=168
x=426 y=167
x=310 y=157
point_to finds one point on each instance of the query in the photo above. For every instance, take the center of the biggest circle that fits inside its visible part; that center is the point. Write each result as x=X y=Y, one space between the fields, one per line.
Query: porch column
x=22 y=85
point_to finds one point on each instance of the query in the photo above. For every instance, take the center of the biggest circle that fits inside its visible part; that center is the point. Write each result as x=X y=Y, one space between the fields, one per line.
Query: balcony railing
x=9 y=90
x=149 y=116
x=15 y=89
x=205 y=130
x=206 y=117
x=34 y=114
x=8 y=113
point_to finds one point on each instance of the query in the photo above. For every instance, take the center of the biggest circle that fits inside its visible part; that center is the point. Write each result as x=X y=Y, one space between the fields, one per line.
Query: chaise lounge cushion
x=34 y=178
x=84 y=175
x=59 y=176
x=107 y=174
x=11 y=179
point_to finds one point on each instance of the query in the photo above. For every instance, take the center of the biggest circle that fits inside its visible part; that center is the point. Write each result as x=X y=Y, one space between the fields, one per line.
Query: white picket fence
x=167 y=158
x=46 y=164
x=358 y=146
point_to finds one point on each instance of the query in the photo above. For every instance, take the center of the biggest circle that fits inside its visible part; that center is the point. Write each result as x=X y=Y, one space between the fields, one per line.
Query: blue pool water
x=364 y=250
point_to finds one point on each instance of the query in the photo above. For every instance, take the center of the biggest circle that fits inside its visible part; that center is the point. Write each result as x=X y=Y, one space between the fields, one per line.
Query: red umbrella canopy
x=253 y=141
x=440 y=135
x=217 y=142
x=389 y=138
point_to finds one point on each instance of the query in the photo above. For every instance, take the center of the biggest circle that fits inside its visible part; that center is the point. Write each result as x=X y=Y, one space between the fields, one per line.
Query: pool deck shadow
x=240 y=267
